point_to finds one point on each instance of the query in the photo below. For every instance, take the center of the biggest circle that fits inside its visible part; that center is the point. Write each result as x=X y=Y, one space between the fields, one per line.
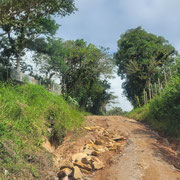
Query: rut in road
x=147 y=156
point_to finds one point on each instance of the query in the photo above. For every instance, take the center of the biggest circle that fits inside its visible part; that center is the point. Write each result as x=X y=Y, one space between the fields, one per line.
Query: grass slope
x=27 y=114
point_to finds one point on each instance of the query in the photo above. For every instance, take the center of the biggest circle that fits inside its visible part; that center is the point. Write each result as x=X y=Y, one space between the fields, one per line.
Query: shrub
x=163 y=112
x=166 y=108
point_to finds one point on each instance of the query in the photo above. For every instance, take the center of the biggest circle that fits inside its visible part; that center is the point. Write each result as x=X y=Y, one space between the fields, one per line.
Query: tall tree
x=140 y=58
x=49 y=57
x=86 y=65
x=22 y=21
x=81 y=68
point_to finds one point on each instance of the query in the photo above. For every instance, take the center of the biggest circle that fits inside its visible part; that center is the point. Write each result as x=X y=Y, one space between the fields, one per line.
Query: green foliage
x=163 y=112
x=175 y=68
x=49 y=57
x=140 y=114
x=116 y=111
x=141 y=58
x=28 y=114
x=99 y=97
x=22 y=21
x=80 y=67
x=72 y=101
x=82 y=80
x=166 y=108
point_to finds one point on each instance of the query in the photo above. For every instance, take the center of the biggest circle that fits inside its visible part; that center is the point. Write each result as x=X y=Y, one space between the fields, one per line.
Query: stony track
x=147 y=156
x=142 y=155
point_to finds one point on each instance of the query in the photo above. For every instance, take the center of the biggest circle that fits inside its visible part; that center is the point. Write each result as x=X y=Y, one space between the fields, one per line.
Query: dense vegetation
x=116 y=111
x=141 y=58
x=163 y=111
x=23 y=21
x=28 y=114
x=150 y=67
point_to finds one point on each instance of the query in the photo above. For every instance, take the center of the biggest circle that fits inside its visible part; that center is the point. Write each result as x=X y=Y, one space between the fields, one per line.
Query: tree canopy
x=22 y=21
x=140 y=58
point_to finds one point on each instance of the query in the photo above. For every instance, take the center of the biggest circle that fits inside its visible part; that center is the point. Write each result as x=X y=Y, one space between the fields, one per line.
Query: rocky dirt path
x=142 y=155
x=146 y=156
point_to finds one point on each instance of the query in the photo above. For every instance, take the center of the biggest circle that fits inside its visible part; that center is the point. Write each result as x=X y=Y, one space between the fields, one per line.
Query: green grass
x=163 y=112
x=29 y=113
x=139 y=113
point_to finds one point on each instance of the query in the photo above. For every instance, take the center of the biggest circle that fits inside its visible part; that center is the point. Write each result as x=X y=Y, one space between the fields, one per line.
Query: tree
x=175 y=68
x=86 y=65
x=49 y=55
x=140 y=58
x=117 y=111
x=81 y=68
x=22 y=21
x=100 y=97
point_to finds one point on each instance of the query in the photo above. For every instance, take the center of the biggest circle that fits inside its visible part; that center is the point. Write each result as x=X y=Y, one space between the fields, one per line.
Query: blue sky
x=103 y=21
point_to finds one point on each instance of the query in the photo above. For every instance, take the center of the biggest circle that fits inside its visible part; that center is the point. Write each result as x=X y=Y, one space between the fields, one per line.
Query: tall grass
x=29 y=113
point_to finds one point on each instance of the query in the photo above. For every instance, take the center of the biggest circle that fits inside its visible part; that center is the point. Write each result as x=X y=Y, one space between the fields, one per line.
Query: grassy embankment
x=163 y=112
x=28 y=114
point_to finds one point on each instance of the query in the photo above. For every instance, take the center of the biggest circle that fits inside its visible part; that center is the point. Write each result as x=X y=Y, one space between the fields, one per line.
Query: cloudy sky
x=103 y=21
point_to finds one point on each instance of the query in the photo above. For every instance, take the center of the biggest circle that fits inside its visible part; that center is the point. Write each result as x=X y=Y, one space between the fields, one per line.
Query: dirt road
x=146 y=156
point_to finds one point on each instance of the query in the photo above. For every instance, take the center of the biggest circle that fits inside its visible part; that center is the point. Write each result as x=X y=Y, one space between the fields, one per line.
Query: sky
x=101 y=22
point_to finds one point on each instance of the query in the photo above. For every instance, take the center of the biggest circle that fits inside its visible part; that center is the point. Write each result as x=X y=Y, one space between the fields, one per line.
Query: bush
x=163 y=112
x=116 y=111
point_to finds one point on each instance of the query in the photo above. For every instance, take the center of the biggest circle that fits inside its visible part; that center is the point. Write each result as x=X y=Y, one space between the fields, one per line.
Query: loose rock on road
x=145 y=157
x=140 y=154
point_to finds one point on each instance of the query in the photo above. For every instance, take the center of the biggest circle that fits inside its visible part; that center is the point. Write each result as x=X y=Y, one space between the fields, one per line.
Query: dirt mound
x=103 y=144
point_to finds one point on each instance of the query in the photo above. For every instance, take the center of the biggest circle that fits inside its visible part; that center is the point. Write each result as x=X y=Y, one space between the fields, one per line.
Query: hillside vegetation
x=28 y=115
x=163 y=112
x=150 y=66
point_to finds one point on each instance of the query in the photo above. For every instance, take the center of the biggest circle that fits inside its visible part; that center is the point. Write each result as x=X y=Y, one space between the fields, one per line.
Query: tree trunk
x=18 y=64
